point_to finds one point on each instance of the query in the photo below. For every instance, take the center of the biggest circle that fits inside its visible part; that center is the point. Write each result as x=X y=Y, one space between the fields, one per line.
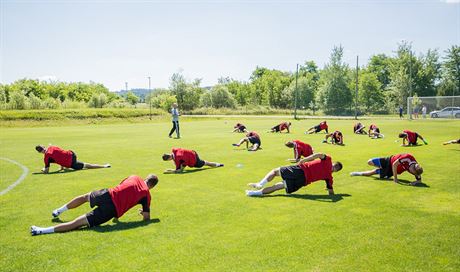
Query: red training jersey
x=405 y=161
x=253 y=134
x=59 y=156
x=318 y=170
x=323 y=125
x=411 y=136
x=284 y=126
x=301 y=149
x=130 y=192
x=184 y=157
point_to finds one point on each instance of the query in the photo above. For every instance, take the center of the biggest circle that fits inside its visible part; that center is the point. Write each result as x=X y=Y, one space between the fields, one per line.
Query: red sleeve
x=46 y=160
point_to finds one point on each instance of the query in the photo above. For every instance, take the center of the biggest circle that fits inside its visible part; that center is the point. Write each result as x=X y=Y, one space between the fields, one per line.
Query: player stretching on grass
x=393 y=166
x=239 y=128
x=300 y=149
x=336 y=138
x=65 y=158
x=113 y=202
x=253 y=138
x=313 y=168
x=184 y=157
x=358 y=128
x=315 y=129
x=411 y=138
x=374 y=132
x=452 y=142
x=280 y=127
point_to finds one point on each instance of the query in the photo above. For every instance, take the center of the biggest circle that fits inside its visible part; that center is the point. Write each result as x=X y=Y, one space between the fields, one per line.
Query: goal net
x=433 y=107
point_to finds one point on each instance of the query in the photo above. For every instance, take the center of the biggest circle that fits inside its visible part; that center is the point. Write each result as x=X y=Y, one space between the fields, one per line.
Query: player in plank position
x=239 y=128
x=358 y=128
x=315 y=129
x=280 y=127
x=310 y=169
x=300 y=149
x=336 y=138
x=65 y=158
x=452 y=142
x=253 y=138
x=374 y=132
x=184 y=157
x=113 y=202
x=394 y=166
x=411 y=138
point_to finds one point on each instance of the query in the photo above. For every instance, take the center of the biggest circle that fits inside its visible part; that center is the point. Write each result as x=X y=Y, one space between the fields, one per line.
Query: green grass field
x=204 y=221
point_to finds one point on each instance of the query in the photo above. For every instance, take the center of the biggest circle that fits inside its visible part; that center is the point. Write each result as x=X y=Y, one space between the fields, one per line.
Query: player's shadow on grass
x=119 y=226
x=403 y=182
x=58 y=172
x=188 y=171
x=322 y=198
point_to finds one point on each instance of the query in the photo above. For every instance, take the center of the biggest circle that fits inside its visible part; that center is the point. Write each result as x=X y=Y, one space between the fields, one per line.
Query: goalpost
x=433 y=107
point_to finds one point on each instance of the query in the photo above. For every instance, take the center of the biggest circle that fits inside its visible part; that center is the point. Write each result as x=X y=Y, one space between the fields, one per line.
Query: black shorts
x=386 y=170
x=105 y=208
x=199 y=162
x=76 y=164
x=277 y=128
x=317 y=128
x=254 y=140
x=293 y=177
x=241 y=128
x=458 y=141
x=376 y=130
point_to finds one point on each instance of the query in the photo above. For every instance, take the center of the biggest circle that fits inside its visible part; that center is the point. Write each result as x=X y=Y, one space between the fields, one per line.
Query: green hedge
x=76 y=114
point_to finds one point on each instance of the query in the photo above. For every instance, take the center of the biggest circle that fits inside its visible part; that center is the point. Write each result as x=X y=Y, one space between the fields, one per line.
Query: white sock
x=356 y=174
x=254 y=193
x=262 y=182
x=62 y=209
x=46 y=230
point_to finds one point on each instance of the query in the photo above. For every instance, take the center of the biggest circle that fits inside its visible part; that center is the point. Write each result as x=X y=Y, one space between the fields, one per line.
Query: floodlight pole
x=126 y=86
x=356 y=88
x=150 y=100
x=295 y=92
x=410 y=85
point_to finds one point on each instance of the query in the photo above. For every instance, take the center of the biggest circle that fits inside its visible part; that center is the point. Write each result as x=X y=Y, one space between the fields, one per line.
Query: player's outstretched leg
x=241 y=142
x=95 y=166
x=266 y=190
x=76 y=202
x=68 y=226
x=268 y=177
x=213 y=164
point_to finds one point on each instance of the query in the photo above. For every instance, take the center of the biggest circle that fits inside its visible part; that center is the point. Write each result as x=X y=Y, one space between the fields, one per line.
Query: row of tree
x=383 y=84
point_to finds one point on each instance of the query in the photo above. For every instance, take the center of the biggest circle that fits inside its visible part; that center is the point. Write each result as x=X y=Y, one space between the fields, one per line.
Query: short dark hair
x=289 y=144
x=166 y=157
x=339 y=166
x=39 y=148
x=402 y=135
x=152 y=180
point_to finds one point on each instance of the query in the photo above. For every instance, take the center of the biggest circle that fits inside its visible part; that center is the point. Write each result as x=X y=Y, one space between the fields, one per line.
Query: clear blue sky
x=113 y=42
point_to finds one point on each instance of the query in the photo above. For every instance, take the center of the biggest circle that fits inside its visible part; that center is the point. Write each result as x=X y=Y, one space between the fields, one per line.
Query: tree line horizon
x=383 y=84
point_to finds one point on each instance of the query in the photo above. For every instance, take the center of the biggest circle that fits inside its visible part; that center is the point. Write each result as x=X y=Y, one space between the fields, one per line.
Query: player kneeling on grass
x=374 y=132
x=315 y=129
x=336 y=138
x=113 y=202
x=239 y=128
x=65 y=158
x=358 y=128
x=253 y=138
x=280 y=127
x=393 y=166
x=310 y=169
x=452 y=142
x=300 y=149
x=184 y=157
x=411 y=138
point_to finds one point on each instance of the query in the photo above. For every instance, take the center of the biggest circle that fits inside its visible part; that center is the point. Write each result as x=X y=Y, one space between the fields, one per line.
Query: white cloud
x=451 y=1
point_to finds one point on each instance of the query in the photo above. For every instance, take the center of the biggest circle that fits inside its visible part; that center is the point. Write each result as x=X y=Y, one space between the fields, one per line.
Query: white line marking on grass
x=25 y=171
